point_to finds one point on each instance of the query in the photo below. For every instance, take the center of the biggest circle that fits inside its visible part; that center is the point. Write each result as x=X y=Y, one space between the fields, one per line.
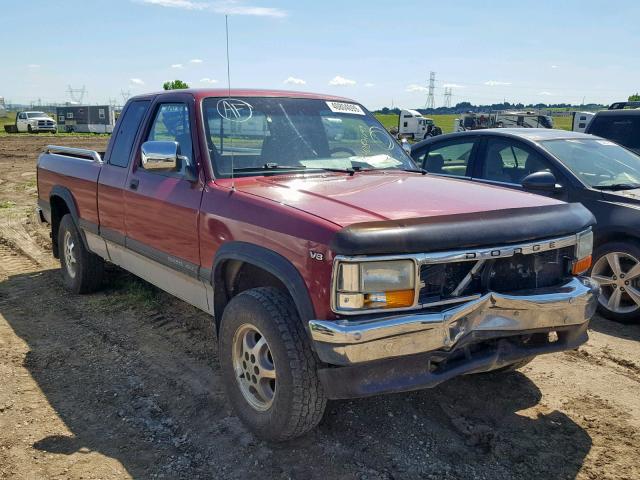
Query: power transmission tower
x=125 y=95
x=447 y=96
x=76 y=95
x=432 y=85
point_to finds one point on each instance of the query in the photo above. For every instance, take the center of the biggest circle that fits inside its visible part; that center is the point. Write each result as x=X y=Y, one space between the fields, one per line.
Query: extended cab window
x=624 y=130
x=127 y=131
x=509 y=162
x=171 y=123
x=256 y=135
x=449 y=159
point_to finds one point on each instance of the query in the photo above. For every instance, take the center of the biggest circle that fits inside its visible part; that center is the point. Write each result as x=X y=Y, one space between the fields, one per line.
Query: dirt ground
x=125 y=384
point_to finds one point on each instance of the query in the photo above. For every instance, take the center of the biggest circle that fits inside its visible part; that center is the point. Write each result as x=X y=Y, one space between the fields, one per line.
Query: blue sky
x=377 y=52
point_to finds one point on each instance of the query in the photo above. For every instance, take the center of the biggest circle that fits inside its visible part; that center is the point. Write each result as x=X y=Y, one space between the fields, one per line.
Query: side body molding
x=270 y=261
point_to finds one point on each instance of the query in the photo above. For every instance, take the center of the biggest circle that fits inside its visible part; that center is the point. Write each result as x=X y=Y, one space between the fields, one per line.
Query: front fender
x=270 y=261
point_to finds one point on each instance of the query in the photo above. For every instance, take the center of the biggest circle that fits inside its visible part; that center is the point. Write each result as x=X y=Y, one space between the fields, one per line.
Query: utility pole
x=125 y=96
x=432 y=86
x=448 y=91
x=76 y=95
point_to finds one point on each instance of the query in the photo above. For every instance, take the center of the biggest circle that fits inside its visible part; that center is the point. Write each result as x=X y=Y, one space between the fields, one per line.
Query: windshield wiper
x=415 y=170
x=618 y=186
x=270 y=166
x=349 y=170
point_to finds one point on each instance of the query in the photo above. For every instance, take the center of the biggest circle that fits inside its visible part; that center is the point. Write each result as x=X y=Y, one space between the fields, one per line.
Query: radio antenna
x=226 y=26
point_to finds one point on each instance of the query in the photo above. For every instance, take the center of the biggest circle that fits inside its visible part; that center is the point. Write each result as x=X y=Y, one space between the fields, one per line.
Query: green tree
x=174 y=85
x=634 y=98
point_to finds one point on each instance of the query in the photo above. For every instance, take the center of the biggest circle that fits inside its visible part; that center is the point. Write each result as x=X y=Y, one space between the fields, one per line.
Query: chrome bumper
x=347 y=342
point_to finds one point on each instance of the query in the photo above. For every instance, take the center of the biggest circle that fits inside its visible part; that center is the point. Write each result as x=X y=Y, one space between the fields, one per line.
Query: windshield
x=35 y=115
x=597 y=162
x=258 y=134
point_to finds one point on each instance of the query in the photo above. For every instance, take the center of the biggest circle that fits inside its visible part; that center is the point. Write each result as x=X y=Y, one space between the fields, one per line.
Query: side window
x=449 y=159
x=509 y=162
x=22 y=116
x=171 y=123
x=123 y=142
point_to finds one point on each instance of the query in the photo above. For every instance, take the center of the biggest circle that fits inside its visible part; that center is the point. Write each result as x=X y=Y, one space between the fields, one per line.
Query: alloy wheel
x=618 y=274
x=254 y=368
x=70 y=254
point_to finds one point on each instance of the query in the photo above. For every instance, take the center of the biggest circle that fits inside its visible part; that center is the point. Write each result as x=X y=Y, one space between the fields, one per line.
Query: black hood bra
x=461 y=231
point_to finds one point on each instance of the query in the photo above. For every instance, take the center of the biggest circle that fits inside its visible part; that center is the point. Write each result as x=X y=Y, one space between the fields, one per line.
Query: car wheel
x=82 y=270
x=616 y=268
x=29 y=129
x=268 y=367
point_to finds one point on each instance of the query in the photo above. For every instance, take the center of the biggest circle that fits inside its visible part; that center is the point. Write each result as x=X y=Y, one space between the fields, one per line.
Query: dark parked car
x=621 y=124
x=569 y=166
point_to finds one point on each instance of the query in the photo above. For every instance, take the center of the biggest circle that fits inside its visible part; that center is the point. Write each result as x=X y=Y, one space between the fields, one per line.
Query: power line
x=448 y=91
x=76 y=95
x=432 y=86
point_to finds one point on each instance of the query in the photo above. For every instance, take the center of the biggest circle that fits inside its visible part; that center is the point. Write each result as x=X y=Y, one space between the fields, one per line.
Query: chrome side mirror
x=160 y=155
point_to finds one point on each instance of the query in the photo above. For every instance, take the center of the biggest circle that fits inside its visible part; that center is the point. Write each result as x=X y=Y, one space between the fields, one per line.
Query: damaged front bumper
x=355 y=344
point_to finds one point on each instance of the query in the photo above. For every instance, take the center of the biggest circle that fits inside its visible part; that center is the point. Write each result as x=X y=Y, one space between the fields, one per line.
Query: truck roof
x=200 y=93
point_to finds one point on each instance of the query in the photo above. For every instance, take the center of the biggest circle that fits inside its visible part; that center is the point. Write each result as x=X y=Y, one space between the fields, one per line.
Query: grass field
x=445 y=122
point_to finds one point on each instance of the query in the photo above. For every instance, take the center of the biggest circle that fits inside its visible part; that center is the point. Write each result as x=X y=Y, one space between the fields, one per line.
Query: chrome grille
x=444 y=282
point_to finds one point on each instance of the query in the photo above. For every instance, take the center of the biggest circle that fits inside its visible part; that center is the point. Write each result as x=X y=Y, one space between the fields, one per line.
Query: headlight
x=584 y=248
x=367 y=285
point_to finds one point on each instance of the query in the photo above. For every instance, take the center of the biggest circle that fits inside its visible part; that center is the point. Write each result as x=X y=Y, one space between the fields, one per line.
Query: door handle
x=133 y=185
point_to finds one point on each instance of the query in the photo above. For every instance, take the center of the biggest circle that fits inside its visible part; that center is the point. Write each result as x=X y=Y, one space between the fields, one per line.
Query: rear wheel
x=268 y=367
x=617 y=269
x=82 y=270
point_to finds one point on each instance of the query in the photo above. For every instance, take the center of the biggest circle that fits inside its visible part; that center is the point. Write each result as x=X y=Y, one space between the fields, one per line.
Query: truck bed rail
x=81 y=153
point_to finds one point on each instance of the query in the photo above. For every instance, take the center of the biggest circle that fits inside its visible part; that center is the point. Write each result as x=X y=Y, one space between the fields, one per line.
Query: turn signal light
x=581 y=265
x=395 y=299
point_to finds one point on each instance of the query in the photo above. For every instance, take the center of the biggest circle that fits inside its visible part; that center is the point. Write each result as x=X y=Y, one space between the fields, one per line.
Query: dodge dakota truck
x=331 y=265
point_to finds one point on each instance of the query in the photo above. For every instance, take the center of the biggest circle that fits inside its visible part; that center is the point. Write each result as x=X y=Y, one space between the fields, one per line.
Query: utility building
x=86 y=118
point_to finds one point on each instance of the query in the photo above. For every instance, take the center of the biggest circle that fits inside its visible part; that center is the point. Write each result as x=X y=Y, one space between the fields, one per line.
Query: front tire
x=82 y=271
x=268 y=368
x=616 y=268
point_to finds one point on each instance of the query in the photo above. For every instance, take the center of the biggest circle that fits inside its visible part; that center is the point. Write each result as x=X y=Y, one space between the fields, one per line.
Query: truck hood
x=380 y=196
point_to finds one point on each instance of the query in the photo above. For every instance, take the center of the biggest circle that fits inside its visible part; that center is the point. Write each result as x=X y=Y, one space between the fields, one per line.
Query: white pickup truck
x=35 y=122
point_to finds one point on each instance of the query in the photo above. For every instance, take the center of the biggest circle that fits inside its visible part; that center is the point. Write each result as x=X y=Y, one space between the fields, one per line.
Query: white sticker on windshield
x=606 y=142
x=234 y=109
x=342 y=107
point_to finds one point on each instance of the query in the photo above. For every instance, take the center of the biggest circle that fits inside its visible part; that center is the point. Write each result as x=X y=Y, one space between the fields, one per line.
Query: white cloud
x=554 y=66
x=208 y=80
x=295 y=81
x=341 y=81
x=546 y=94
x=33 y=66
x=496 y=83
x=137 y=81
x=452 y=85
x=176 y=65
x=195 y=60
x=369 y=84
x=233 y=7
x=185 y=4
x=227 y=7
x=414 y=87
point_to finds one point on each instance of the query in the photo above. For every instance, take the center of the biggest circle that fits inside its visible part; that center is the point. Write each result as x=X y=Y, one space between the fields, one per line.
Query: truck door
x=162 y=205
x=21 y=122
x=114 y=172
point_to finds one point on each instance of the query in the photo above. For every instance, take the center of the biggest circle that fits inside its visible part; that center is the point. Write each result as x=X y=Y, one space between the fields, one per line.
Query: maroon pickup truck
x=332 y=266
